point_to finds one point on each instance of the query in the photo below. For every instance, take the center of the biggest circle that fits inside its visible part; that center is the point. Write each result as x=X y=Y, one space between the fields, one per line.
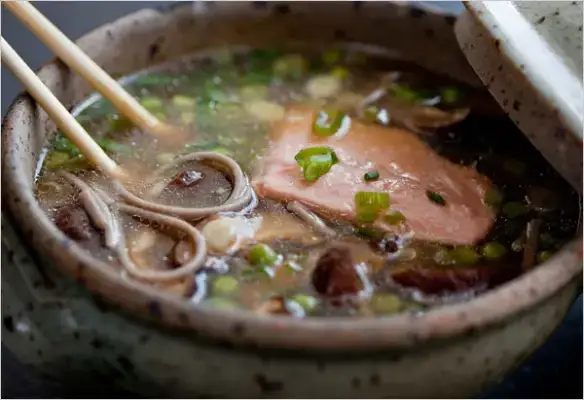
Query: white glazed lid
x=529 y=56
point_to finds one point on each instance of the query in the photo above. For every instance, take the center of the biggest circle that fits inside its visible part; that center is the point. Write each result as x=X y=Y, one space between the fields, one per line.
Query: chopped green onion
x=254 y=92
x=369 y=204
x=465 y=255
x=308 y=303
x=543 y=256
x=316 y=161
x=443 y=257
x=493 y=197
x=292 y=266
x=449 y=95
x=369 y=233
x=515 y=209
x=120 y=123
x=262 y=254
x=331 y=56
x=371 y=176
x=328 y=122
x=493 y=250
x=183 y=102
x=221 y=303
x=260 y=270
x=152 y=104
x=386 y=303
x=435 y=197
x=290 y=66
x=370 y=114
x=340 y=72
x=404 y=93
x=57 y=160
x=394 y=217
x=224 y=285
x=64 y=145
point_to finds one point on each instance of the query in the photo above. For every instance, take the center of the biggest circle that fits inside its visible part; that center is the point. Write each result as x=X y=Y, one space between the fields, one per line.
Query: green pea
x=386 y=303
x=307 y=302
x=465 y=255
x=224 y=285
x=493 y=250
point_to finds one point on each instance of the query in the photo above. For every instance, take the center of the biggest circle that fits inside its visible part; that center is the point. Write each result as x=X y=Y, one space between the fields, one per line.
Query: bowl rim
x=326 y=334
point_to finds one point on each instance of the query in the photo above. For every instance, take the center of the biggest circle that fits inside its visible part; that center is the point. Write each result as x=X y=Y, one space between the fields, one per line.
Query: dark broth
x=229 y=100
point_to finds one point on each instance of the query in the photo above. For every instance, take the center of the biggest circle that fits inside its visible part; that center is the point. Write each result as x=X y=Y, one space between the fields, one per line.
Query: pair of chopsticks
x=77 y=60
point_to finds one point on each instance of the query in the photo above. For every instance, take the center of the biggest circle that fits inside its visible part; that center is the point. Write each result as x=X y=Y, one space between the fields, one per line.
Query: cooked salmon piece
x=408 y=169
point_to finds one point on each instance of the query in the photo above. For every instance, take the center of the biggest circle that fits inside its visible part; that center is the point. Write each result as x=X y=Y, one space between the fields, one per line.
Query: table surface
x=554 y=371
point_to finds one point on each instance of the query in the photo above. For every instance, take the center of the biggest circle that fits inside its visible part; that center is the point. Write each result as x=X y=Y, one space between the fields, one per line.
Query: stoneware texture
x=529 y=54
x=74 y=318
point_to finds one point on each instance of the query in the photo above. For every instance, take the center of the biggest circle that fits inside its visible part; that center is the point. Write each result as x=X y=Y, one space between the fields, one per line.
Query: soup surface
x=377 y=187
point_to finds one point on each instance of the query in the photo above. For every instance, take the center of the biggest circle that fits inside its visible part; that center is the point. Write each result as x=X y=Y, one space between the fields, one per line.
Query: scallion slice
x=369 y=204
x=328 y=122
x=316 y=161
x=262 y=255
x=435 y=197
x=394 y=217
x=371 y=176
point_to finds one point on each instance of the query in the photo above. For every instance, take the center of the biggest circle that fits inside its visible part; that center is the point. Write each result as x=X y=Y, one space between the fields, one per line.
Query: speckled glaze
x=529 y=55
x=73 y=317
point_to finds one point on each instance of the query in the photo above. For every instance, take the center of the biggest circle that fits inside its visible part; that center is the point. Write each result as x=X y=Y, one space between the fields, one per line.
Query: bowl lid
x=529 y=55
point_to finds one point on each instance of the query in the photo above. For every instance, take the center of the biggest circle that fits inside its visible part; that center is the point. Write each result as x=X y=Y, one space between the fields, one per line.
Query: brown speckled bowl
x=65 y=311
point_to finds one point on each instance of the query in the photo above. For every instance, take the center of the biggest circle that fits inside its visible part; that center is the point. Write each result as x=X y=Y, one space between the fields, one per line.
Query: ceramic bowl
x=72 y=317
x=529 y=55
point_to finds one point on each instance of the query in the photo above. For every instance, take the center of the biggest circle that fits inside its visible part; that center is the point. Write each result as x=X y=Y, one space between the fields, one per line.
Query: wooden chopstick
x=58 y=113
x=80 y=62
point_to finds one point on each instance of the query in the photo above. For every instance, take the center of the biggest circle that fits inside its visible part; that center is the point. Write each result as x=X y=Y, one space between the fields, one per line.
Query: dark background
x=555 y=371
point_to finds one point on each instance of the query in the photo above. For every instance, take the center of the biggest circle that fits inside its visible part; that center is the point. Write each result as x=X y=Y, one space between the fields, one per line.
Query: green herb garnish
x=224 y=285
x=316 y=161
x=371 y=176
x=369 y=204
x=493 y=250
x=328 y=122
x=465 y=255
x=394 y=217
x=262 y=255
x=435 y=197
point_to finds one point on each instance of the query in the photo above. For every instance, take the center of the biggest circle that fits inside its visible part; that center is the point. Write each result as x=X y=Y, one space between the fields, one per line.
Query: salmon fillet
x=407 y=168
